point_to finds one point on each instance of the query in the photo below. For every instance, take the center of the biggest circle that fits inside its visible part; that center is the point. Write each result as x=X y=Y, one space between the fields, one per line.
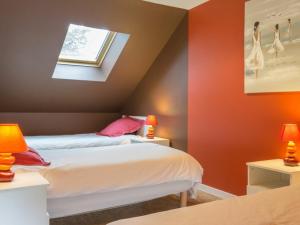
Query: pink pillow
x=125 y=125
x=30 y=158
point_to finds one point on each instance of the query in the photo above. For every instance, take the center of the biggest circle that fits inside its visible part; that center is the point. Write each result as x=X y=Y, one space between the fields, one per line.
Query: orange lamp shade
x=290 y=132
x=11 y=139
x=151 y=120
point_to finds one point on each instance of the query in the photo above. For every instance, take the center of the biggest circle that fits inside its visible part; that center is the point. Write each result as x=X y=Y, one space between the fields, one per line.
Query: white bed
x=275 y=207
x=93 y=178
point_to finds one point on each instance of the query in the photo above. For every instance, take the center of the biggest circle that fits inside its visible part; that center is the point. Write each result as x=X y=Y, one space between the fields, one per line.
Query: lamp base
x=290 y=159
x=6 y=162
x=6 y=176
x=150 y=133
x=291 y=162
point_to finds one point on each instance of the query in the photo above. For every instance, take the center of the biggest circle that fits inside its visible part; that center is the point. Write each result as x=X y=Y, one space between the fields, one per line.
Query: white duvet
x=75 y=141
x=274 y=207
x=102 y=169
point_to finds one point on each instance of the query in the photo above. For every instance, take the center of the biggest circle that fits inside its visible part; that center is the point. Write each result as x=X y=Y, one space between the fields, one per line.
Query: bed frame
x=62 y=207
x=183 y=199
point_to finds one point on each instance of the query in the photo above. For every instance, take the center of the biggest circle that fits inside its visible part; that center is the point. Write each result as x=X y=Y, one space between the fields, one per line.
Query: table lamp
x=290 y=134
x=151 y=121
x=11 y=141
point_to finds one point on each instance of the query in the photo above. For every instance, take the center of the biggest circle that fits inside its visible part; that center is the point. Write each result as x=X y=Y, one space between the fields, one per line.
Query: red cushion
x=125 y=125
x=30 y=158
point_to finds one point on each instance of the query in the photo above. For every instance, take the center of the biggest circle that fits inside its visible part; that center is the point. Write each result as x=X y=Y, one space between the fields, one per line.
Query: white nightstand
x=269 y=174
x=156 y=140
x=24 y=200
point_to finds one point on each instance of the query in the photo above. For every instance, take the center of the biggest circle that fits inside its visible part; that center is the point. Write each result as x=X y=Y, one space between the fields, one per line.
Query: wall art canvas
x=272 y=46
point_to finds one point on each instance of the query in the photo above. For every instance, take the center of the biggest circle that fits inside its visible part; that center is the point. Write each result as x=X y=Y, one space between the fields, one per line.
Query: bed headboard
x=59 y=123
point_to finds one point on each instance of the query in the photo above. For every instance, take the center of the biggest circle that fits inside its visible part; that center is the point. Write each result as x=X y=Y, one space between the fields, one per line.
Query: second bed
x=86 y=178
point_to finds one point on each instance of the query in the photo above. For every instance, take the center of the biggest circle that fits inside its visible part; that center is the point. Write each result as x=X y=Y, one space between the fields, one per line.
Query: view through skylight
x=85 y=45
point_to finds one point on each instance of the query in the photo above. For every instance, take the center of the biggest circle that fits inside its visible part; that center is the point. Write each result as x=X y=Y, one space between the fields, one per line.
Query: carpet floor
x=106 y=216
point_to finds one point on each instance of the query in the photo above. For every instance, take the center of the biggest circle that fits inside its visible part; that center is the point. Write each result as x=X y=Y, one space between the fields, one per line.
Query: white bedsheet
x=75 y=172
x=75 y=141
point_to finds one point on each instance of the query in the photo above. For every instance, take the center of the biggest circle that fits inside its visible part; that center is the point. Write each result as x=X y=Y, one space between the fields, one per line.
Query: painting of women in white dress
x=277 y=46
x=255 y=60
x=272 y=46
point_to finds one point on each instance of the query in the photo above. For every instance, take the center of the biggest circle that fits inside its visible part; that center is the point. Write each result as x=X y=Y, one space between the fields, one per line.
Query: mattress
x=278 y=206
x=82 y=171
x=51 y=142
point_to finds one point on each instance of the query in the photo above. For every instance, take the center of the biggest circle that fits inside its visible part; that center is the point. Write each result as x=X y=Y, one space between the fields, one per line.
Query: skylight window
x=85 y=46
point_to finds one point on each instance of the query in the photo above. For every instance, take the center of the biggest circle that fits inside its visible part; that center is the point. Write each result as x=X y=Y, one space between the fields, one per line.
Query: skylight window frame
x=100 y=57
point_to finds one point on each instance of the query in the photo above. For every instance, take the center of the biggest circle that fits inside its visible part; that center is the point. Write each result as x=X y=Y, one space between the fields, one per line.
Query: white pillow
x=143 y=130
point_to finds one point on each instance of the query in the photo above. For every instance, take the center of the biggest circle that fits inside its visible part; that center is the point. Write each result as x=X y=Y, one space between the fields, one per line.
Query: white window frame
x=101 y=55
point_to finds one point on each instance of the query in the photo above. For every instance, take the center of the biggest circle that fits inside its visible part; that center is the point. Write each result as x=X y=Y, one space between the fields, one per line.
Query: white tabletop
x=276 y=165
x=23 y=180
x=145 y=139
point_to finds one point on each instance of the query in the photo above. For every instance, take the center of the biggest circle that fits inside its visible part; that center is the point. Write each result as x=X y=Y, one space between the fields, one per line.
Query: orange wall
x=227 y=128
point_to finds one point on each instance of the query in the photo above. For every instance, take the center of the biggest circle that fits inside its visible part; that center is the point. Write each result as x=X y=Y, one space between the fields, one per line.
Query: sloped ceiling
x=32 y=33
x=184 y=4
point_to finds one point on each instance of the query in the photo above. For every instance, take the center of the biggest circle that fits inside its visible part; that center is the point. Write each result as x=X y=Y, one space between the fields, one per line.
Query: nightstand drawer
x=24 y=200
x=270 y=174
x=156 y=140
x=252 y=189
x=268 y=178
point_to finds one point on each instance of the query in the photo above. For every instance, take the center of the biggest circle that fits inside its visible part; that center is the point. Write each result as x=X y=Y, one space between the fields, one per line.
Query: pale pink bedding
x=275 y=207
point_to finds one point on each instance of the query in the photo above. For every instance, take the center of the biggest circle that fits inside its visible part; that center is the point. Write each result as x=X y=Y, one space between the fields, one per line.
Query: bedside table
x=24 y=200
x=155 y=140
x=270 y=174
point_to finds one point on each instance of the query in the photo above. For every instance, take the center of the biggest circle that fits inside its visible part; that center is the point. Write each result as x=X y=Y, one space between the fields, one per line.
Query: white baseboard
x=214 y=191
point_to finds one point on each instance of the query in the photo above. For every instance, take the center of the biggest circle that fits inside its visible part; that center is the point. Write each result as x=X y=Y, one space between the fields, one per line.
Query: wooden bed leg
x=183 y=199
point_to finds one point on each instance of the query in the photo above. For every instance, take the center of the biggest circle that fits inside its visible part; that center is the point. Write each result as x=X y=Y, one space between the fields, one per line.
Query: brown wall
x=59 y=123
x=32 y=33
x=163 y=91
